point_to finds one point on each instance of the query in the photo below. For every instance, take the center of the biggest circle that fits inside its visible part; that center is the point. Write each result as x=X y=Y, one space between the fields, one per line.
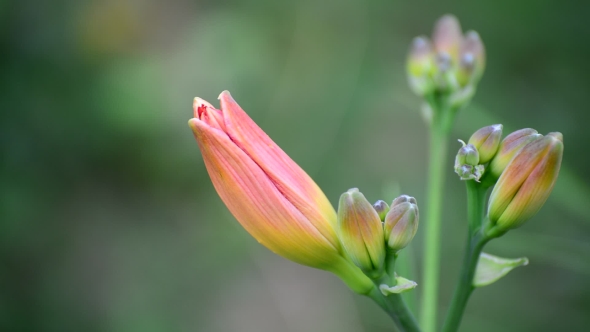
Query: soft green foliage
x=110 y=222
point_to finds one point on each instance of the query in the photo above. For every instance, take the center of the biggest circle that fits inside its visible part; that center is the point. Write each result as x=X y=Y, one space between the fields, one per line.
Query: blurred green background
x=109 y=222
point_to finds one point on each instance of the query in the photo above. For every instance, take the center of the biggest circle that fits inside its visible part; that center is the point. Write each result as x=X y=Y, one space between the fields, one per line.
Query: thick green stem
x=439 y=131
x=395 y=307
x=476 y=240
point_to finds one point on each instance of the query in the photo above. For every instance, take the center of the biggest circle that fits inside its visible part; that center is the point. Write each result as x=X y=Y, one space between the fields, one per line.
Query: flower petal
x=288 y=177
x=257 y=203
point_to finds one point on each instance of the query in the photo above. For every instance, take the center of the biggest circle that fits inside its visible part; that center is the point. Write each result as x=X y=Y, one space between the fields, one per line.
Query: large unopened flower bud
x=467 y=163
x=420 y=65
x=401 y=222
x=487 y=141
x=510 y=147
x=361 y=232
x=526 y=183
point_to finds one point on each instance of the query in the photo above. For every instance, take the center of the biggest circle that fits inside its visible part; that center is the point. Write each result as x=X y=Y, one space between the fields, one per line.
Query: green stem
x=439 y=131
x=395 y=307
x=476 y=240
x=475 y=205
x=464 y=286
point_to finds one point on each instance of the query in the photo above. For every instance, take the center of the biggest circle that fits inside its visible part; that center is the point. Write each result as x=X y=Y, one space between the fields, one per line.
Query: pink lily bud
x=447 y=37
x=267 y=192
x=361 y=232
x=472 y=59
x=401 y=222
x=526 y=183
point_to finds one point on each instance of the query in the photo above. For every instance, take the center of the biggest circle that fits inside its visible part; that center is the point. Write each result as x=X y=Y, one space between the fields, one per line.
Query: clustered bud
x=467 y=163
x=487 y=141
x=526 y=182
x=361 y=232
x=452 y=63
x=401 y=223
x=370 y=233
x=481 y=148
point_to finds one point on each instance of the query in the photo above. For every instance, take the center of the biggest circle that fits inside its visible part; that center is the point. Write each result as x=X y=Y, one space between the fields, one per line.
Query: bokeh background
x=109 y=222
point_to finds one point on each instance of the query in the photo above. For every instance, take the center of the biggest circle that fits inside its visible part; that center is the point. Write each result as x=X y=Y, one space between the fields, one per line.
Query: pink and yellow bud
x=471 y=59
x=487 y=141
x=509 y=147
x=526 y=183
x=267 y=192
x=361 y=232
x=420 y=66
x=447 y=37
x=401 y=222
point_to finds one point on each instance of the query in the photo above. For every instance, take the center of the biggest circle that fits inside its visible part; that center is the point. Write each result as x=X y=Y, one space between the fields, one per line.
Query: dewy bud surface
x=361 y=232
x=487 y=141
x=509 y=147
x=401 y=223
x=526 y=183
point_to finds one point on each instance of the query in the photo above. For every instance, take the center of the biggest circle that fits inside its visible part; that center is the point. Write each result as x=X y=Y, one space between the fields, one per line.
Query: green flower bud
x=420 y=66
x=467 y=155
x=361 y=233
x=526 y=183
x=382 y=208
x=401 y=222
x=487 y=141
x=467 y=163
x=510 y=147
x=447 y=36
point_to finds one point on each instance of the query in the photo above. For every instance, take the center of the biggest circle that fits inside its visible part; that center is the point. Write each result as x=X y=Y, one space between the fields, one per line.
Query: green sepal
x=401 y=285
x=491 y=268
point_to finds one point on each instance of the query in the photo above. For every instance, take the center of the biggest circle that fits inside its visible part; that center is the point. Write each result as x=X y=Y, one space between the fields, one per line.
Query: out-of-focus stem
x=442 y=120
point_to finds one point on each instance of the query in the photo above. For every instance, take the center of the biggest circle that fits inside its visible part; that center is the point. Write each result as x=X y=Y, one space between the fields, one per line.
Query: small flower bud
x=447 y=36
x=487 y=141
x=471 y=59
x=382 y=208
x=509 y=147
x=420 y=66
x=401 y=222
x=361 y=232
x=526 y=183
x=467 y=163
x=467 y=155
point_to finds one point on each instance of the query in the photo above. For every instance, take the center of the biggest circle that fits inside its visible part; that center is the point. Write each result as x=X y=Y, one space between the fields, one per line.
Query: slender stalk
x=476 y=240
x=464 y=286
x=439 y=131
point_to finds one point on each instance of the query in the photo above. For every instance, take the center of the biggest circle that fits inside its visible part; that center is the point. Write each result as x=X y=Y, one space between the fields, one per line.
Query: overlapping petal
x=270 y=195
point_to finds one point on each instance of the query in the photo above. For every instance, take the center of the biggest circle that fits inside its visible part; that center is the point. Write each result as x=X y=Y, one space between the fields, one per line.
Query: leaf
x=402 y=285
x=491 y=268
